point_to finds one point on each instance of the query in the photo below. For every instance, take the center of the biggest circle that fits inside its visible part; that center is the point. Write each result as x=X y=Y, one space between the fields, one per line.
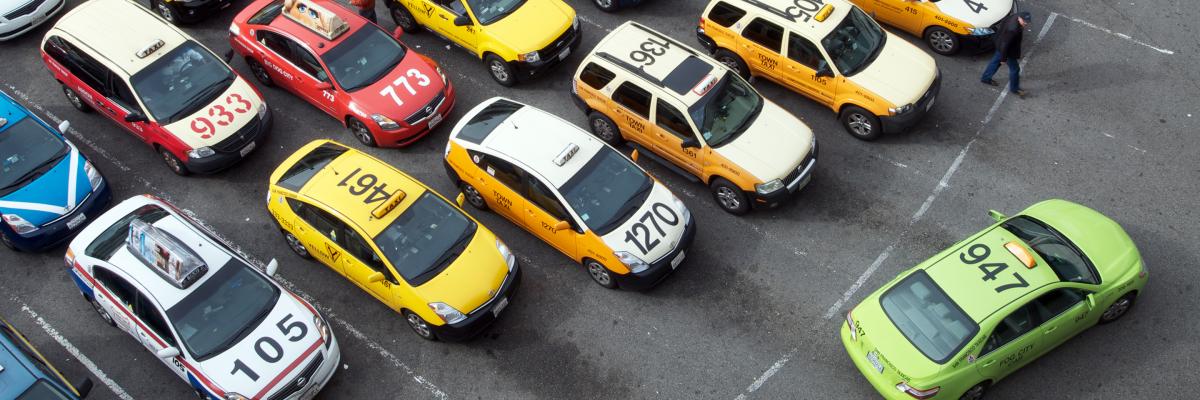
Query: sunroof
x=685 y=76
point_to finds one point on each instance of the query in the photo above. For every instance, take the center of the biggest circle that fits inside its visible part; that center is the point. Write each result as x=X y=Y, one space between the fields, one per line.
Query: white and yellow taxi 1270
x=224 y=327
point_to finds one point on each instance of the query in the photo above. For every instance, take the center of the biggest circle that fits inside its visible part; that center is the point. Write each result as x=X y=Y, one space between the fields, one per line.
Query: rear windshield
x=114 y=236
x=484 y=122
x=299 y=174
x=926 y=316
x=28 y=150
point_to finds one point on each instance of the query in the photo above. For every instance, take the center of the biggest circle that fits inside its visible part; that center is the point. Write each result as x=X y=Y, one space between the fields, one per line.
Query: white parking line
x=66 y=344
x=1118 y=34
x=592 y=23
x=766 y=375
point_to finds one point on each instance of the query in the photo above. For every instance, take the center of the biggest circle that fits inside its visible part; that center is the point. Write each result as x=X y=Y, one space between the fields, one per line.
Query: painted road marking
x=66 y=344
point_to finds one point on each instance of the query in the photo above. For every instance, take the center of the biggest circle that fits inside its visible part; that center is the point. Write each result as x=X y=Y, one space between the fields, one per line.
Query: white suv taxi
x=222 y=326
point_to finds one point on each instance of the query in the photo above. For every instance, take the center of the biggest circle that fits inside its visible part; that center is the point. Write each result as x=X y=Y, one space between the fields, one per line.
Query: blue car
x=26 y=375
x=48 y=189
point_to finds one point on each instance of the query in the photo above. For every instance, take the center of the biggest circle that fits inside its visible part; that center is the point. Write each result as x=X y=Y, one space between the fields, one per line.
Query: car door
x=1065 y=311
x=800 y=68
x=672 y=129
x=92 y=78
x=318 y=231
x=80 y=74
x=1011 y=344
x=631 y=113
x=505 y=192
x=904 y=14
x=362 y=262
x=296 y=69
x=439 y=15
x=760 y=45
x=154 y=328
x=123 y=103
x=543 y=212
x=120 y=306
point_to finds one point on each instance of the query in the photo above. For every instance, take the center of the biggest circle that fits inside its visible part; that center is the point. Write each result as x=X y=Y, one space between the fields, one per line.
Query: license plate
x=76 y=221
x=435 y=120
x=500 y=306
x=246 y=150
x=564 y=54
x=804 y=181
x=930 y=105
x=874 y=359
x=675 y=261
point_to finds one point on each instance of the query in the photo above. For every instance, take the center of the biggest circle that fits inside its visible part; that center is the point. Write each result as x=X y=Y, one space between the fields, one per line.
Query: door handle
x=1050 y=330
x=989 y=363
x=443 y=16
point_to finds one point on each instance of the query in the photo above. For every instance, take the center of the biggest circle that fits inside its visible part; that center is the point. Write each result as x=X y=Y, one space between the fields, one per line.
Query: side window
x=120 y=93
x=307 y=62
x=154 y=319
x=1011 y=327
x=672 y=120
x=1058 y=301
x=54 y=48
x=544 y=198
x=276 y=43
x=317 y=218
x=359 y=248
x=634 y=98
x=504 y=172
x=725 y=15
x=120 y=289
x=803 y=51
x=596 y=76
x=85 y=68
x=454 y=6
x=764 y=33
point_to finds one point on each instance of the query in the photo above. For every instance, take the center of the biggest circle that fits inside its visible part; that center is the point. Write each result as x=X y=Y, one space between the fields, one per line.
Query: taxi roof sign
x=151 y=48
x=314 y=17
x=566 y=154
x=164 y=254
x=388 y=205
x=1021 y=253
x=824 y=13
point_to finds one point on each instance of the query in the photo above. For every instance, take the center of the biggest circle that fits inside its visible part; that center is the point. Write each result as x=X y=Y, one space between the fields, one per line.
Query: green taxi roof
x=964 y=272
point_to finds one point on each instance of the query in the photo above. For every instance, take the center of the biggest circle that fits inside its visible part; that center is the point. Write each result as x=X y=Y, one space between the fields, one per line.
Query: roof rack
x=665 y=38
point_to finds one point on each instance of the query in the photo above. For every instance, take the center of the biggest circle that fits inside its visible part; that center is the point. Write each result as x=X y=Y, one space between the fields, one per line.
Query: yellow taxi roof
x=786 y=13
x=354 y=171
x=117 y=30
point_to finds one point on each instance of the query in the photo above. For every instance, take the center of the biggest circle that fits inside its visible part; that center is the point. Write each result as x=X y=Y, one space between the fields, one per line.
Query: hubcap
x=419 y=325
x=604 y=3
x=361 y=133
x=473 y=195
x=165 y=12
x=402 y=18
x=171 y=161
x=260 y=72
x=499 y=71
x=730 y=63
x=974 y=394
x=295 y=245
x=103 y=314
x=860 y=124
x=729 y=200
x=599 y=274
x=1117 y=309
x=73 y=98
x=602 y=129
x=941 y=41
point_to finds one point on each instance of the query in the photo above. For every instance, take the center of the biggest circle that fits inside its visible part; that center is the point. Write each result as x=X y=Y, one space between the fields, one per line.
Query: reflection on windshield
x=726 y=111
x=223 y=309
x=425 y=238
x=363 y=58
x=489 y=11
x=181 y=82
x=605 y=190
x=1068 y=264
x=854 y=43
x=26 y=149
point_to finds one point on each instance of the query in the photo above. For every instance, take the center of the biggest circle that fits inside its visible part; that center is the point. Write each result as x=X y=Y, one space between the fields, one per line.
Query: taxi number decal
x=658 y=211
x=649 y=51
x=798 y=9
x=422 y=80
x=975 y=6
x=276 y=351
x=977 y=253
x=366 y=183
x=205 y=127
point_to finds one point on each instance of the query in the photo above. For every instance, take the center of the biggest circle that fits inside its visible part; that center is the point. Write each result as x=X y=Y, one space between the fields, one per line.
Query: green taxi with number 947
x=959 y=322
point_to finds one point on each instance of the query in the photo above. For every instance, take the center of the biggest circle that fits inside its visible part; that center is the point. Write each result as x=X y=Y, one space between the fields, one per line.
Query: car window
x=55 y=48
x=27 y=149
x=113 y=237
x=223 y=309
x=672 y=120
x=307 y=62
x=267 y=14
x=357 y=247
x=724 y=14
x=320 y=220
x=765 y=34
x=303 y=170
x=119 y=287
x=803 y=51
x=489 y=11
x=634 y=98
x=1063 y=256
x=42 y=390
x=84 y=67
x=485 y=121
x=426 y=238
x=149 y=314
x=544 y=199
x=1058 y=301
x=596 y=76
x=119 y=92
x=276 y=43
x=927 y=317
x=181 y=82
x=455 y=6
x=1018 y=323
x=505 y=173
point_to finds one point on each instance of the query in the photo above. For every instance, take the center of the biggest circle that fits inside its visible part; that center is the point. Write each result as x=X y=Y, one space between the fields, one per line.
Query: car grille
x=558 y=44
x=239 y=139
x=300 y=381
x=428 y=110
x=24 y=10
x=929 y=94
x=800 y=168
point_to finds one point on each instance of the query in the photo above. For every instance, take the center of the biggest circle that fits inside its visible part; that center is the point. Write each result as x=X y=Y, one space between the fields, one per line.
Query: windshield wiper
x=627 y=208
x=451 y=254
x=192 y=104
x=34 y=173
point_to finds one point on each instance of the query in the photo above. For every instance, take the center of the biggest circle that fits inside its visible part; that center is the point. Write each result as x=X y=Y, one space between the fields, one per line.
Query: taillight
x=850 y=324
x=69 y=259
x=918 y=393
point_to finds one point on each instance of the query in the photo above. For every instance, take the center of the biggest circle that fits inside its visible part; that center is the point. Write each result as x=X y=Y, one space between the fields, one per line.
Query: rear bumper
x=902 y=122
x=858 y=357
x=57 y=232
x=706 y=42
x=660 y=269
x=482 y=318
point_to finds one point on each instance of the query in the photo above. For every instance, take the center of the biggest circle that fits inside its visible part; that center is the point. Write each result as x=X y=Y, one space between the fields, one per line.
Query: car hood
x=672 y=233
x=472 y=279
x=901 y=73
x=51 y=195
x=772 y=146
x=991 y=12
x=190 y=130
x=533 y=26
x=368 y=99
x=1104 y=242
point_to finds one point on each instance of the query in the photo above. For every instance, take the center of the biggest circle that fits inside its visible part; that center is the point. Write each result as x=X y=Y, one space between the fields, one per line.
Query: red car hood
x=377 y=97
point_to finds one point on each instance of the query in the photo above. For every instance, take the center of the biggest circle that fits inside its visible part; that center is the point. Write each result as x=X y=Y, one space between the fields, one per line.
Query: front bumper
x=976 y=44
x=530 y=70
x=410 y=133
x=660 y=269
x=20 y=22
x=57 y=232
x=197 y=10
x=225 y=159
x=792 y=183
x=902 y=122
x=483 y=317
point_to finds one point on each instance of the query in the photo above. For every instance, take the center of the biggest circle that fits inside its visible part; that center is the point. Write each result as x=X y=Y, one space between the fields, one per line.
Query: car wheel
x=419 y=326
x=296 y=246
x=941 y=40
x=473 y=197
x=260 y=73
x=103 y=314
x=500 y=70
x=731 y=198
x=975 y=392
x=861 y=124
x=404 y=19
x=361 y=132
x=75 y=100
x=8 y=242
x=605 y=129
x=1118 y=308
x=163 y=10
x=733 y=61
x=606 y=5
x=600 y=274
x=173 y=163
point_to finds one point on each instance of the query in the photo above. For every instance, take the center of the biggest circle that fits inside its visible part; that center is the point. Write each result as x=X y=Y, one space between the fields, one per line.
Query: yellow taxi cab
x=570 y=190
x=394 y=238
x=830 y=51
x=516 y=39
x=694 y=116
x=946 y=26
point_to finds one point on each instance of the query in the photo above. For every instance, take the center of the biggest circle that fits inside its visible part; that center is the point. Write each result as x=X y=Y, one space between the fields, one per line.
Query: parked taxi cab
x=947 y=26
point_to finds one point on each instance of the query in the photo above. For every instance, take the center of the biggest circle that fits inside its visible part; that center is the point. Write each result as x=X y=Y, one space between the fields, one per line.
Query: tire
x=1118 y=308
x=260 y=73
x=404 y=19
x=473 y=197
x=941 y=40
x=500 y=70
x=975 y=392
x=599 y=274
x=729 y=197
x=605 y=129
x=103 y=314
x=861 y=124
x=361 y=132
x=8 y=243
x=163 y=10
x=297 y=247
x=75 y=101
x=173 y=163
x=733 y=61
x=607 y=5
x=419 y=326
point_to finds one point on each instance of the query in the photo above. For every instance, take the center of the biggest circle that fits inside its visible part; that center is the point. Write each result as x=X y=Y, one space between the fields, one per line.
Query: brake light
x=917 y=393
x=850 y=324
x=69 y=259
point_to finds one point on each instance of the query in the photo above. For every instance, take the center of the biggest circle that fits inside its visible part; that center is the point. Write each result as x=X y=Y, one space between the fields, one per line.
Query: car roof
x=534 y=138
x=680 y=72
x=315 y=41
x=117 y=30
x=11 y=110
x=783 y=12
x=324 y=188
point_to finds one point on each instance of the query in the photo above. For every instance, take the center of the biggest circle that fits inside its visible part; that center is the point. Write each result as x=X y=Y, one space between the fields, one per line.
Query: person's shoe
x=991 y=82
x=1020 y=93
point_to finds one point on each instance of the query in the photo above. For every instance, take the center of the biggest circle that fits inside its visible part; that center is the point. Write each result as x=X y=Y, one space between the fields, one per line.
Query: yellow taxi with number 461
x=393 y=237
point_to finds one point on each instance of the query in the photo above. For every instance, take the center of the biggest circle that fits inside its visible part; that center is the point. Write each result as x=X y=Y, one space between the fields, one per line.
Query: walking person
x=366 y=8
x=1008 y=50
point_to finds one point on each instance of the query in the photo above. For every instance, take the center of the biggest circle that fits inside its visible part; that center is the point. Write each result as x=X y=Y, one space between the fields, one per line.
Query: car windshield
x=606 y=190
x=933 y=323
x=426 y=238
x=181 y=82
x=726 y=111
x=28 y=150
x=223 y=310
x=363 y=58
x=854 y=43
x=489 y=11
x=1067 y=262
x=42 y=390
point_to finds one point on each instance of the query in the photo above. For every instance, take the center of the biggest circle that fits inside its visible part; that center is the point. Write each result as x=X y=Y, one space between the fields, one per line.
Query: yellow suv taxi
x=516 y=39
x=830 y=51
x=570 y=190
x=946 y=26
x=393 y=237
x=695 y=116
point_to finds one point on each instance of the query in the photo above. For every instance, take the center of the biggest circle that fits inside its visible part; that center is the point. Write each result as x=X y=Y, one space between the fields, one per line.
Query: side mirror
x=272 y=267
x=562 y=225
x=462 y=20
x=634 y=155
x=996 y=215
x=135 y=116
x=398 y=33
x=63 y=126
x=83 y=387
x=460 y=199
x=690 y=143
x=167 y=353
x=376 y=277
x=1091 y=301
x=324 y=86
x=229 y=56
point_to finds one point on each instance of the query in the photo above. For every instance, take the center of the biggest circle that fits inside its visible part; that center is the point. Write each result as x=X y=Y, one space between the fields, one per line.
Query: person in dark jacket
x=1008 y=49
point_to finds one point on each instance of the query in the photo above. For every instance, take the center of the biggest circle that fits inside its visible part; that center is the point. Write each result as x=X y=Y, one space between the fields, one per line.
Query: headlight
x=769 y=186
x=530 y=57
x=323 y=329
x=901 y=110
x=385 y=122
x=93 y=175
x=982 y=31
x=18 y=224
x=262 y=110
x=634 y=263
x=235 y=396
x=234 y=30
x=445 y=80
x=201 y=152
x=575 y=23
x=682 y=208
x=448 y=313
x=507 y=254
